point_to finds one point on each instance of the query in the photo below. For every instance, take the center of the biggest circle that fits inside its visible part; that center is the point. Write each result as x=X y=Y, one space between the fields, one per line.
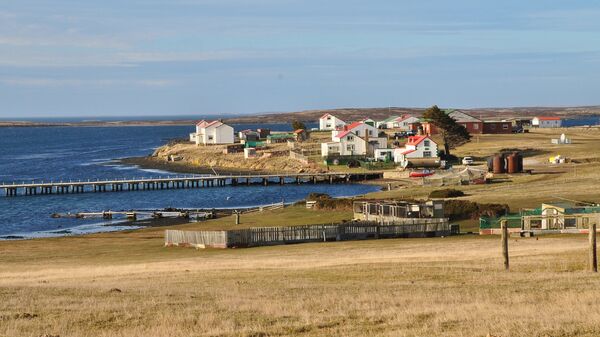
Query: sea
x=80 y=153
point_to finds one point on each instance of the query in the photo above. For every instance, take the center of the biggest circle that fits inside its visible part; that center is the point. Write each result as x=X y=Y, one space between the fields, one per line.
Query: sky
x=182 y=57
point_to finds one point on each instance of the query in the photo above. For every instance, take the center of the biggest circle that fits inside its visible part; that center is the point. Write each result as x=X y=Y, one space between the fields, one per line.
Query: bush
x=318 y=196
x=447 y=193
x=464 y=209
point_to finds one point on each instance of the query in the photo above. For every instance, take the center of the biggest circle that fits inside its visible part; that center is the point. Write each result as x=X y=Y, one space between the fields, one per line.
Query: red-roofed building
x=356 y=139
x=416 y=147
x=546 y=122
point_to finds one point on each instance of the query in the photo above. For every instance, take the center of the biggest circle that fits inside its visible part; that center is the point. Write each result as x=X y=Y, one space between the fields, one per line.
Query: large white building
x=402 y=123
x=546 y=122
x=416 y=147
x=329 y=122
x=356 y=139
x=214 y=132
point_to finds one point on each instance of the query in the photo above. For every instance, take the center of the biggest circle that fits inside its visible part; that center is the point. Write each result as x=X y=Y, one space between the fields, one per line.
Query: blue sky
x=178 y=57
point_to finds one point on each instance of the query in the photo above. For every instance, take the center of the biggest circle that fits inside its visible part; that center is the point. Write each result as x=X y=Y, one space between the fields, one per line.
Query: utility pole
x=593 y=256
x=504 y=229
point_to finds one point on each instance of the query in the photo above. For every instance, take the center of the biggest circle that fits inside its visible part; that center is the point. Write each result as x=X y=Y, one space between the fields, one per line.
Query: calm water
x=81 y=153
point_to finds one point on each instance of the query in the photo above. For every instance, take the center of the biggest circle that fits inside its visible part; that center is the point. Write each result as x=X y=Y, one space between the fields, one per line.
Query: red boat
x=421 y=174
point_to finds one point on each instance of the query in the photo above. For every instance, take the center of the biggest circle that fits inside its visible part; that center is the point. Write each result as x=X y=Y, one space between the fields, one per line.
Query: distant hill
x=350 y=114
x=347 y=114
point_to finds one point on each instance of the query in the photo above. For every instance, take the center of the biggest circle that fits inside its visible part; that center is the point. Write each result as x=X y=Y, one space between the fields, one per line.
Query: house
x=329 y=122
x=369 y=121
x=546 y=122
x=403 y=122
x=495 y=127
x=416 y=147
x=248 y=135
x=384 y=123
x=356 y=139
x=553 y=217
x=215 y=132
x=399 y=211
x=360 y=129
x=384 y=155
x=472 y=124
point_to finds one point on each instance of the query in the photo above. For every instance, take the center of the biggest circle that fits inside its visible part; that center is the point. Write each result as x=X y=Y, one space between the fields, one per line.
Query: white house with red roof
x=546 y=122
x=329 y=122
x=360 y=129
x=215 y=132
x=356 y=139
x=416 y=147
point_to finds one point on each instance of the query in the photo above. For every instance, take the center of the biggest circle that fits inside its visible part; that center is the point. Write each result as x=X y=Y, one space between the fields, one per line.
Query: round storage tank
x=499 y=164
x=519 y=159
x=511 y=163
x=490 y=163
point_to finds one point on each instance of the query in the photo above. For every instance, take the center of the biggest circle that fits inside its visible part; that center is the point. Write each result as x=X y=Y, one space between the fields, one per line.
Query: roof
x=460 y=116
x=404 y=117
x=415 y=140
x=299 y=131
x=343 y=133
x=407 y=151
x=549 y=118
x=389 y=119
x=204 y=124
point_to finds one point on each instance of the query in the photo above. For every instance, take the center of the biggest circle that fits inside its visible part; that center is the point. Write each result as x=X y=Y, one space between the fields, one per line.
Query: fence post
x=504 y=228
x=237 y=217
x=593 y=257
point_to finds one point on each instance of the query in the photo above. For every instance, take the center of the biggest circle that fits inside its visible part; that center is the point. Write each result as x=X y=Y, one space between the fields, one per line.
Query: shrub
x=447 y=193
x=464 y=209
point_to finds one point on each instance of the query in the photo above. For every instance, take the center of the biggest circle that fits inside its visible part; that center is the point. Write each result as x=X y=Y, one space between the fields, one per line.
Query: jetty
x=179 y=182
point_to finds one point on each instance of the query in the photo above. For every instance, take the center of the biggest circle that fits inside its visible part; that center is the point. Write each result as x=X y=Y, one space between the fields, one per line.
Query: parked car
x=467 y=161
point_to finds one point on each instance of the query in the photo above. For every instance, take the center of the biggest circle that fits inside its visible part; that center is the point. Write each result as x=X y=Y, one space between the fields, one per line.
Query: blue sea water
x=74 y=153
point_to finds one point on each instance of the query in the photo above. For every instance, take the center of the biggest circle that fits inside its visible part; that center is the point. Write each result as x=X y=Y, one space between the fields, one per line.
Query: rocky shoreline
x=153 y=163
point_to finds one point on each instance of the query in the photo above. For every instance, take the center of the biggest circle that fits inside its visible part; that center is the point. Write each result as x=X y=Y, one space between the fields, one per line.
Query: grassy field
x=129 y=284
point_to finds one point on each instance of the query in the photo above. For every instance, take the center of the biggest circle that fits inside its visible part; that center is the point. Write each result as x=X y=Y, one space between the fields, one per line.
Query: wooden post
x=593 y=256
x=237 y=217
x=504 y=228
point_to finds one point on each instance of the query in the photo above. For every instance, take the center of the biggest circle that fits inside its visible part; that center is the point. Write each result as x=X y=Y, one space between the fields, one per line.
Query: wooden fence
x=267 y=236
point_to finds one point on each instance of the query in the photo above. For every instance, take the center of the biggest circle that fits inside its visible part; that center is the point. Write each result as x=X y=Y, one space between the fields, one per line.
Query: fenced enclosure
x=267 y=236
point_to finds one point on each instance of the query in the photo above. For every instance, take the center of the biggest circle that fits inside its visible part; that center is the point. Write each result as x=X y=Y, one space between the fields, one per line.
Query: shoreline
x=151 y=163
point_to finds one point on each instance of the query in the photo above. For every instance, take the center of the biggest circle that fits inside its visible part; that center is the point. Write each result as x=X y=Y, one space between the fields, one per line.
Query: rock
x=115 y=290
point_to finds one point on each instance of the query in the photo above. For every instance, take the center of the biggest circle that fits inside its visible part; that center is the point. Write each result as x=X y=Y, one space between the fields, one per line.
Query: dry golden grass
x=411 y=287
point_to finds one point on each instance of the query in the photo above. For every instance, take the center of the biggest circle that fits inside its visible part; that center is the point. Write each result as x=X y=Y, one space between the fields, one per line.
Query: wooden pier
x=180 y=182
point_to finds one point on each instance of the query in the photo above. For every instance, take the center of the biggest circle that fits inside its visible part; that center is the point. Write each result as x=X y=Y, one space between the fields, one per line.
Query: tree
x=453 y=134
x=297 y=125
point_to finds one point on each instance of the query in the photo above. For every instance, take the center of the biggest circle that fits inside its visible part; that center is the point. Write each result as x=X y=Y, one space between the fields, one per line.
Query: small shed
x=249 y=153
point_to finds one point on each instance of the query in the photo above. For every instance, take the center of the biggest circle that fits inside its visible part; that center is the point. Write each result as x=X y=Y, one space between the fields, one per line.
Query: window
x=505 y=126
x=426 y=153
x=210 y=137
x=350 y=148
x=328 y=125
x=427 y=143
x=328 y=118
x=476 y=126
x=350 y=138
x=370 y=132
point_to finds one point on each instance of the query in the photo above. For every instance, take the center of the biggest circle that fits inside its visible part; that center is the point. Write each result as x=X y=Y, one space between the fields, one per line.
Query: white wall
x=330 y=122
